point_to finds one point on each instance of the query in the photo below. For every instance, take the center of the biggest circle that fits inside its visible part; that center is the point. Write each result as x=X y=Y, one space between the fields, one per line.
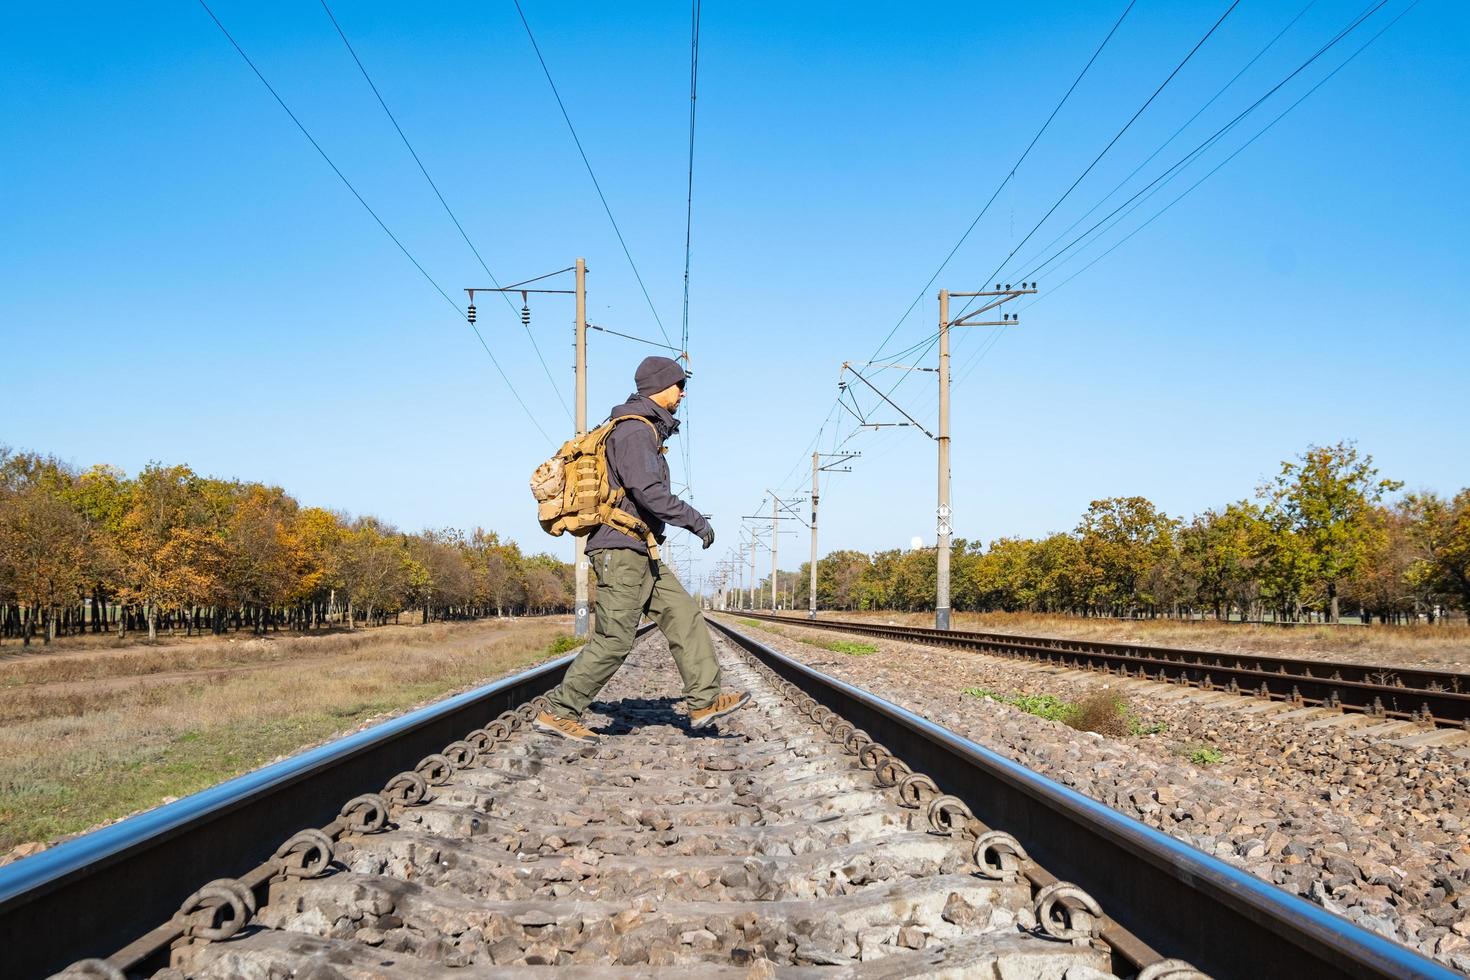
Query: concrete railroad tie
x=753 y=848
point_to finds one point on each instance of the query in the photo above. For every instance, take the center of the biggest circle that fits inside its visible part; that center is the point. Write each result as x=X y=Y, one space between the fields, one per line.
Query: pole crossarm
x=472 y=290
x=850 y=411
x=857 y=374
x=642 y=340
x=837 y=459
x=787 y=507
x=1000 y=296
x=900 y=367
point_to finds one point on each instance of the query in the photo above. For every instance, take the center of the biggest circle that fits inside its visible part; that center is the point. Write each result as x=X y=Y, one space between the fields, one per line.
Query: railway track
x=1411 y=694
x=788 y=843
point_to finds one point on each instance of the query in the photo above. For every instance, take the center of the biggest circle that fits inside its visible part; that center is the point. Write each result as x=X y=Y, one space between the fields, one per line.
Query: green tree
x=1442 y=530
x=1122 y=538
x=1325 y=499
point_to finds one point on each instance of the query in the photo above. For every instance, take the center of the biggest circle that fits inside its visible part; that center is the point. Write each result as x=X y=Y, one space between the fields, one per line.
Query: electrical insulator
x=525 y=315
x=472 y=313
x=1008 y=285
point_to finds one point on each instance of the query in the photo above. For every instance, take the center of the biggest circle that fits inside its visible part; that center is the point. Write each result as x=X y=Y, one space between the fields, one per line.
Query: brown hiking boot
x=724 y=704
x=568 y=728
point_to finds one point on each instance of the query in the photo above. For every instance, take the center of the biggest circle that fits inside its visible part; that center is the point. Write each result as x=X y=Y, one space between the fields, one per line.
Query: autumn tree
x=1442 y=530
x=1121 y=539
x=1325 y=499
x=44 y=543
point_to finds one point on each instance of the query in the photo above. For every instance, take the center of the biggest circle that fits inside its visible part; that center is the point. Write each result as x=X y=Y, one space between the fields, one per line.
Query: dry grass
x=40 y=665
x=1441 y=645
x=1103 y=712
x=77 y=754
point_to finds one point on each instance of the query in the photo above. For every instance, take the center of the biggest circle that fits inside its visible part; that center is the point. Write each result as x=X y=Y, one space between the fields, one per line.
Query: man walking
x=630 y=582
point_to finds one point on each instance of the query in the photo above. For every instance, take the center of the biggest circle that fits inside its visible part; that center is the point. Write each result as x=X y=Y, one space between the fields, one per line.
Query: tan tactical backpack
x=572 y=491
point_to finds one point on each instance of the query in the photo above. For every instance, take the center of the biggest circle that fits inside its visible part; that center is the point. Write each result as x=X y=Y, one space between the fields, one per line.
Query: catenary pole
x=775 y=533
x=581 y=344
x=811 y=606
x=752 y=576
x=942 y=514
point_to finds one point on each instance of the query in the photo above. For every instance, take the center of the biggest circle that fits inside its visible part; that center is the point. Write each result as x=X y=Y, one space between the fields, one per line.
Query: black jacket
x=635 y=464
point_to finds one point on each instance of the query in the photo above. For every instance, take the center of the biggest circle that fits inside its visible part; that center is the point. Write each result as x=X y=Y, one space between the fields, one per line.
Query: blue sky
x=182 y=278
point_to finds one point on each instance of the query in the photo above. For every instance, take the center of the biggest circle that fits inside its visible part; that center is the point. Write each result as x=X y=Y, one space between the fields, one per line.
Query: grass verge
x=850 y=647
x=69 y=761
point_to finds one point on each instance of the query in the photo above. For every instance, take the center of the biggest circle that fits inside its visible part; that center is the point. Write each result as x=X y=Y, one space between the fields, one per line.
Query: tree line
x=1326 y=535
x=171 y=550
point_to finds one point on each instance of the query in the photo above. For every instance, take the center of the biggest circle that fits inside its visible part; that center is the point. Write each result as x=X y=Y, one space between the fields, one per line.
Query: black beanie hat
x=657 y=373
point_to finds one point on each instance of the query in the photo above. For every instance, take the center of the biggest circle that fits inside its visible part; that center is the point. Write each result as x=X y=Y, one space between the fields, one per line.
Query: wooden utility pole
x=580 y=567
x=944 y=524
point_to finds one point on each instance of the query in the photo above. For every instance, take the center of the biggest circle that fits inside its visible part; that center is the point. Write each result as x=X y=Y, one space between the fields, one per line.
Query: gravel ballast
x=1322 y=806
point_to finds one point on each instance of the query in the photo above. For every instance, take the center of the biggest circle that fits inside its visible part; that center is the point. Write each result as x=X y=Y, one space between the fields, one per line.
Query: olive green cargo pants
x=628 y=585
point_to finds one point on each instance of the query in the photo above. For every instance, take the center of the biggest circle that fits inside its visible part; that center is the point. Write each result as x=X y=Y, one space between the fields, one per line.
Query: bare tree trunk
x=151 y=611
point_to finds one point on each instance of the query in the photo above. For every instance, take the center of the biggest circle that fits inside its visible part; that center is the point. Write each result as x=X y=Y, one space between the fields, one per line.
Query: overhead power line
x=1167 y=176
x=1175 y=135
x=1112 y=142
x=1007 y=179
x=368 y=208
x=590 y=173
x=1219 y=133
x=1238 y=150
x=1088 y=169
x=685 y=446
x=927 y=343
x=447 y=209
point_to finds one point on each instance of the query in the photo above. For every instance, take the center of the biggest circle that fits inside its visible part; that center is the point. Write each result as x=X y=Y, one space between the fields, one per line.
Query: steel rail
x=1173 y=897
x=1415 y=694
x=97 y=893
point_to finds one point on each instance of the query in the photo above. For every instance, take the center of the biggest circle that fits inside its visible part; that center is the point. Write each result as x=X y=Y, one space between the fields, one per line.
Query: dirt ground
x=91 y=735
x=1441 y=645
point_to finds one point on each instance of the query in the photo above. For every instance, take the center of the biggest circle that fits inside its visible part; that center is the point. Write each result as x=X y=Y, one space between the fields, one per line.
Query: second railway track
x=1406 y=693
x=789 y=842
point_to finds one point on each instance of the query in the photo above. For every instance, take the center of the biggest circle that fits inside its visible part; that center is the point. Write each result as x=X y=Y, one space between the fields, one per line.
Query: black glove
x=707 y=535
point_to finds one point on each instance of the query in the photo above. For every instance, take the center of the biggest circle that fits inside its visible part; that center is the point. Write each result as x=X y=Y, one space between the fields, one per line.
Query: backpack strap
x=619 y=519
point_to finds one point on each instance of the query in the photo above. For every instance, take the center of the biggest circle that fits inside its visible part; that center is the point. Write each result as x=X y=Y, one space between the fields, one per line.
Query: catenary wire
x=1080 y=177
x=1198 y=149
x=1006 y=180
x=1219 y=133
x=973 y=363
x=367 y=207
x=1111 y=143
x=447 y=209
x=1265 y=129
x=590 y=173
x=1175 y=135
x=1011 y=173
x=994 y=338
